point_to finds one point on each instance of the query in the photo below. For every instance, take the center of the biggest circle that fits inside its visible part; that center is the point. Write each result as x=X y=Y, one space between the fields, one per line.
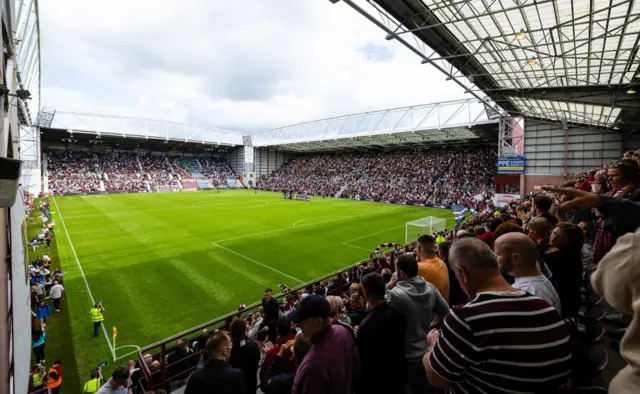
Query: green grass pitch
x=165 y=262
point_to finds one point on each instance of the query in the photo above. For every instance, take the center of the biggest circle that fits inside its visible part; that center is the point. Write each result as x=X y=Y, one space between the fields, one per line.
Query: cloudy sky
x=247 y=67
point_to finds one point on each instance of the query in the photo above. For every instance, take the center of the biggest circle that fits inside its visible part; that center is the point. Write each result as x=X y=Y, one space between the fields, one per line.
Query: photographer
x=96 y=381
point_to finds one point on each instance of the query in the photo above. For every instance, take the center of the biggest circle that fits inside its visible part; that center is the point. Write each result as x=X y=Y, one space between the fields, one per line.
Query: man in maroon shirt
x=332 y=365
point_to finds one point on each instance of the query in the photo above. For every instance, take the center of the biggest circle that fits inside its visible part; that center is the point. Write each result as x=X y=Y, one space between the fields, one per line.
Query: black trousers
x=39 y=352
x=56 y=303
x=418 y=382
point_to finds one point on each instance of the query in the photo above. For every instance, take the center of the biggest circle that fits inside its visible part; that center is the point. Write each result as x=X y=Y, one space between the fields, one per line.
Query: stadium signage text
x=511 y=165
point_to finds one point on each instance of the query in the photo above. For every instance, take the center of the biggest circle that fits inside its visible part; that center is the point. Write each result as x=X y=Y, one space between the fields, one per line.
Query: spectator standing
x=564 y=259
x=38 y=338
x=540 y=232
x=245 y=355
x=543 y=205
x=456 y=295
x=271 y=311
x=616 y=278
x=417 y=300
x=488 y=237
x=42 y=312
x=380 y=342
x=283 y=327
x=277 y=381
x=518 y=257
x=216 y=375
x=332 y=364
x=254 y=329
x=504 y=340
x=430 y=267
x=179 y=359
x=56 y=293
x=118 y=382
x=337 y=311
x=356 y=312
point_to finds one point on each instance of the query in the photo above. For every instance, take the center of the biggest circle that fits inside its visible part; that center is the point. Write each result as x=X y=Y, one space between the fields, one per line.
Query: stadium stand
x=75 y=171
x=438 y=176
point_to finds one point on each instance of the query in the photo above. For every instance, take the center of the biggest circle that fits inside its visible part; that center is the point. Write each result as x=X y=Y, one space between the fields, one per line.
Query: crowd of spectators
x=504 y=302
x=438 y=176
x=215 y=169
x=47 y=292
x=74 y=171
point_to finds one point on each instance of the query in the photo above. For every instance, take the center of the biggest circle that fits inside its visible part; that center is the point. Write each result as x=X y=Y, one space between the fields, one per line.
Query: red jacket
x=487 y=238
x=586 y=184
x=287 y=364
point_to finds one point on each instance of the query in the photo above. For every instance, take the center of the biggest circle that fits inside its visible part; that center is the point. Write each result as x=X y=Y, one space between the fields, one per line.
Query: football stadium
x=484 y=244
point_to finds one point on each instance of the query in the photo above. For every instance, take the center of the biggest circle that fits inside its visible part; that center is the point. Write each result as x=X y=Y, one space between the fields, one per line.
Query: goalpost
x=428 y=225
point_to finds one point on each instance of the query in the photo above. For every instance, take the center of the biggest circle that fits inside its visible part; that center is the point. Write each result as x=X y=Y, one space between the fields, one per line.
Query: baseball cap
x=312 y=306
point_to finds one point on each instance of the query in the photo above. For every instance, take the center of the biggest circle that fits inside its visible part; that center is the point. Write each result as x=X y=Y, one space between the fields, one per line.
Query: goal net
x=428 y=225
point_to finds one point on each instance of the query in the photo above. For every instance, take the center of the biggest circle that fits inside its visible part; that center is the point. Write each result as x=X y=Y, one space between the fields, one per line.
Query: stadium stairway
x=192 y=166
x=339 y=193
x=139 y=164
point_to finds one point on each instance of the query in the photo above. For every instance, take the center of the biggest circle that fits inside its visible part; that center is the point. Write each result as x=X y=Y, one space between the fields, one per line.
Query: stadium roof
x=573 y=62
x=451 y=121
x=27 y=46
x=130 y=127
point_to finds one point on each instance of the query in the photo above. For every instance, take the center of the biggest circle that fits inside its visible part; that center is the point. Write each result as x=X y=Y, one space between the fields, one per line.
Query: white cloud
x=220 y=63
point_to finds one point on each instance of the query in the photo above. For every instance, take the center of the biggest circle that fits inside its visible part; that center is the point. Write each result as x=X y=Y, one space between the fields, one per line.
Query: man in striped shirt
x=503 y=341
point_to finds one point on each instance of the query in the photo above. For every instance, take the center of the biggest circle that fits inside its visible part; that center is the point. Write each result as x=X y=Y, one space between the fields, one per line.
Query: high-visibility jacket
x=96 y=315
x=92 y=386
x=37 y=380
x=440 y=239
x=53 y=383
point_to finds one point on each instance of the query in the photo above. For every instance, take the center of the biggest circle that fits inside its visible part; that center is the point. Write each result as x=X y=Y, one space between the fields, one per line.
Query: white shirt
x=56 y=291
x=107 y=388
x=541 y=287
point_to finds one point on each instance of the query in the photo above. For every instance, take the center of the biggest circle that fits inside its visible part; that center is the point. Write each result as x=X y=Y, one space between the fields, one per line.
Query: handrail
x=226 y=319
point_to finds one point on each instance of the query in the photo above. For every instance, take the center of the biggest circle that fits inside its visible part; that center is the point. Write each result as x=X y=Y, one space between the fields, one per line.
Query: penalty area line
x=257 y=262
x=348 y=243
x=93 y=302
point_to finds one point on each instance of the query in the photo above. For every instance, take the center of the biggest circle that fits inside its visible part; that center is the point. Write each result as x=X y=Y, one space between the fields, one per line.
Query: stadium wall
x=551 y=152
x=546 y=144
x=266 y=161
x=21 y=300
x=235 y=158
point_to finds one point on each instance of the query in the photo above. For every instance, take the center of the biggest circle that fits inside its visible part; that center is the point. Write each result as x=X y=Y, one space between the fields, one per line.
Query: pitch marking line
x=257 y=262
x=194 y=205
x=93 y=302
x=125 y=346
x=304 y=225
x=357 y=247
x=314 y=217
x=348 y=243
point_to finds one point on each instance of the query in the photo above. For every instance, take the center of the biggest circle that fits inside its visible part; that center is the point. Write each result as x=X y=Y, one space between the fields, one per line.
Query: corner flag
x=115 y=334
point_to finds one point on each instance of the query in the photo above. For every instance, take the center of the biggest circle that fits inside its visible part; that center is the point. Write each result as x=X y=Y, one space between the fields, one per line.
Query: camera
x=94 y=373
x=9 y=178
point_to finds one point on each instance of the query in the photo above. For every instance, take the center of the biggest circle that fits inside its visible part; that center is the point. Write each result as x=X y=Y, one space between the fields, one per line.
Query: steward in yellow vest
x=97 y=317
x=95 y=383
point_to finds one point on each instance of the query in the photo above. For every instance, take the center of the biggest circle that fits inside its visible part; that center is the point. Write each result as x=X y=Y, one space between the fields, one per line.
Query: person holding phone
x=97 y=317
